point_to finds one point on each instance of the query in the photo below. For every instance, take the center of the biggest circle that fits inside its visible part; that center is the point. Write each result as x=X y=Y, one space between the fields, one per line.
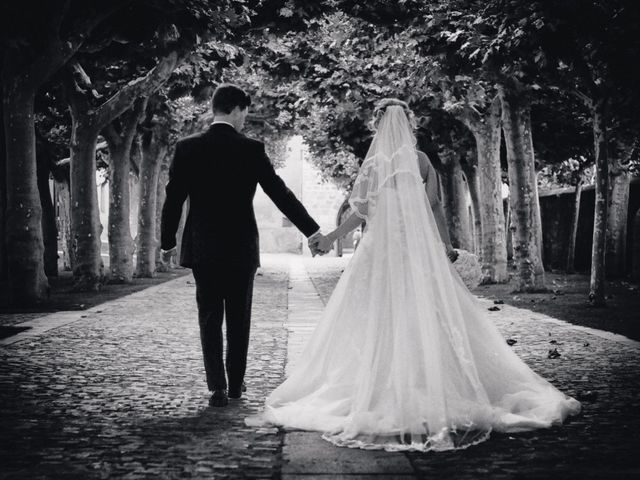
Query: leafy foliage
x=318 y=68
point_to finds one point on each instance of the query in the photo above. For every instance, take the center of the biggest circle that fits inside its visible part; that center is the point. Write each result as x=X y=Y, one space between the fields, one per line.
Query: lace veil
x=392 y=155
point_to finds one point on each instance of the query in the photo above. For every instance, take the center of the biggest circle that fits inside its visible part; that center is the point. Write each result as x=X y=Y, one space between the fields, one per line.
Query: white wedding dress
x=404 y=358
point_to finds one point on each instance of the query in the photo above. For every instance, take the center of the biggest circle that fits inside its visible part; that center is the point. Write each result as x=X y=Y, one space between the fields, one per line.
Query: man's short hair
x=227 y=97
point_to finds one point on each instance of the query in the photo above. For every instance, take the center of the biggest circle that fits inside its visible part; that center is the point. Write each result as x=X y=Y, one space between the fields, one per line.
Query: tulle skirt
x=404 y=358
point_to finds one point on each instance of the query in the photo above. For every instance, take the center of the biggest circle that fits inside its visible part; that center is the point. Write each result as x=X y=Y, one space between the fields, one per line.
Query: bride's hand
x=325 y=244
x=452 y=254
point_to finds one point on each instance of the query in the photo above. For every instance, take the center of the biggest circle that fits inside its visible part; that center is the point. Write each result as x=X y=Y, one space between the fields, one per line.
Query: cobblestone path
x=118 y=391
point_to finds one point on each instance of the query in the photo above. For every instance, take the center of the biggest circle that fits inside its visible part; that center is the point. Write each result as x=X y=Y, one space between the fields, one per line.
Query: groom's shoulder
x=191 y=143
x=190 y=139
x=252 y=143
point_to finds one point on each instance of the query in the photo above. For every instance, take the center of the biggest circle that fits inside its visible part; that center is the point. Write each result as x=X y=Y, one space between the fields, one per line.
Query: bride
x=404 y=358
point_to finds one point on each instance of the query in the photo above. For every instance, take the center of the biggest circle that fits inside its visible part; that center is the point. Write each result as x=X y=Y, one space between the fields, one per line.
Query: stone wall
x=556 y=207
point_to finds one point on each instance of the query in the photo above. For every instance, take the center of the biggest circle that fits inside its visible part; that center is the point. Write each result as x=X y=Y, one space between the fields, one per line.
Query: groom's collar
x=219 y=122
x=222 y=128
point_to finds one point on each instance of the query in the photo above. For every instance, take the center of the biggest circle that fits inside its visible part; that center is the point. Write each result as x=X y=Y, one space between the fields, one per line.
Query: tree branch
x=473 y=118
x=143 y=86
x=583 y=97
x=585 y=72
x=64 y=162
x=132 y=120
x=129 y=121
x=74 y=93
x=59 y=51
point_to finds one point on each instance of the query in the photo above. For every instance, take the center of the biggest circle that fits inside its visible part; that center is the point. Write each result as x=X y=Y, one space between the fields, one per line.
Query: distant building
x=322 y=200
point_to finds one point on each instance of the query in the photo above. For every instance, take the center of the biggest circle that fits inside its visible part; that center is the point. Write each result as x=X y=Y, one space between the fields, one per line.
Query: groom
x=218 y=171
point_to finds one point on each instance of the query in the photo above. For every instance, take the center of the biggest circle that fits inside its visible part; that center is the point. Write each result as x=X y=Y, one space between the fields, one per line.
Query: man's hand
x=319 y=244
x=452 y=254
x=312 y=242
x=167 y=255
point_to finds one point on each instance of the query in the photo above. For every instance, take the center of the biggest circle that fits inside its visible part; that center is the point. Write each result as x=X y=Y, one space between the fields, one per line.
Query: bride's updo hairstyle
x=381 y=107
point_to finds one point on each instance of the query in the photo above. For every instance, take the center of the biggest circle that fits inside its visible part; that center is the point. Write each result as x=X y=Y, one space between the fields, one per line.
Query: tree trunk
x=152 y=155
x=85 y=215
x=63 y=198
x=23 y=228
x=3 y=197
x=598 y=249
x=88 y=121
x=509 y=232
x=536 y=202
x=455 y=204
x=523 y=193
x=573 y=235
x=635 y=267
x=23 y=235
x=121 y=244
x=471 y=173
x=616 y=249
x=161 y=194
x=49 y=228
x=486 y=132
x=119 y=231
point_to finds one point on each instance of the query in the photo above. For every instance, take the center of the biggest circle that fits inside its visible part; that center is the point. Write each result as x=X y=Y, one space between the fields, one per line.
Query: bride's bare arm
x=345 y=227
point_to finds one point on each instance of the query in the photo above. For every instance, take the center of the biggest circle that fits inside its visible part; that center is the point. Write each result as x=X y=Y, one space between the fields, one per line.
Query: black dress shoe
x=237 y=393
x=219 y=398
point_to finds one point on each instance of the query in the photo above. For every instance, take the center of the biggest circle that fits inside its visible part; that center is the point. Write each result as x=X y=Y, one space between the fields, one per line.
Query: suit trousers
x=224 y=292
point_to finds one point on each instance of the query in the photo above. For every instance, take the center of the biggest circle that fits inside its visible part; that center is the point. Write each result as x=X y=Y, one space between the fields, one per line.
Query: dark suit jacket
x=218 y=170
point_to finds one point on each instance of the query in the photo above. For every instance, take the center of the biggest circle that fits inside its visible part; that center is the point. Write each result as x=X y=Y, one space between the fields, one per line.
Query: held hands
x=320 y=244
x=325 y=245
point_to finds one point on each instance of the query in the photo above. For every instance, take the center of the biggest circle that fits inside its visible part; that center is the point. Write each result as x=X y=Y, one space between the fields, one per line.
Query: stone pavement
x=118 y=391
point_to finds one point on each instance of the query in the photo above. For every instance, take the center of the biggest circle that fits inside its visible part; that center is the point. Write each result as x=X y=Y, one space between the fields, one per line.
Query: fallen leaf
x=553 y=353
x=587 y=395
